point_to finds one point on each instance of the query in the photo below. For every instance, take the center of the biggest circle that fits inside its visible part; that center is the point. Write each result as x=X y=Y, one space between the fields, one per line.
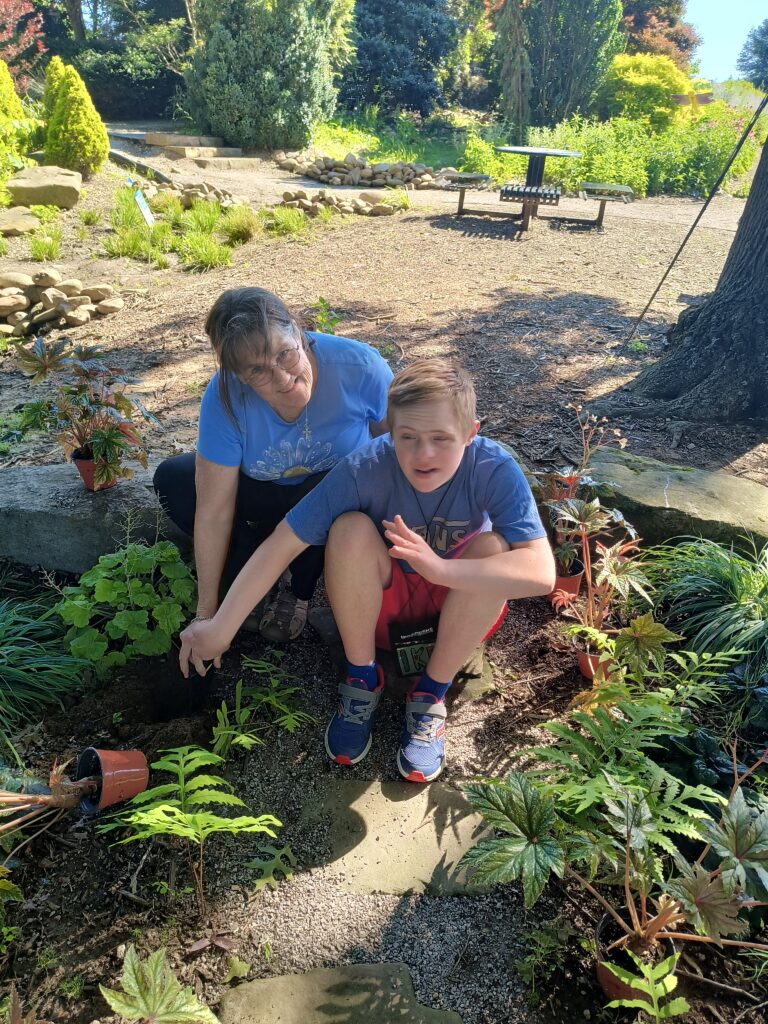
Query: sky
x=724 y=27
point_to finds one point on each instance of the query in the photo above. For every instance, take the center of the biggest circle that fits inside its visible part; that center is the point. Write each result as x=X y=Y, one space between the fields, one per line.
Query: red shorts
x=410 y=599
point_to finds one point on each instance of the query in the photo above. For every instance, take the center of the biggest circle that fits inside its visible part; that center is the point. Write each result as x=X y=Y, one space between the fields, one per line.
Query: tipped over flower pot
x=120 y=775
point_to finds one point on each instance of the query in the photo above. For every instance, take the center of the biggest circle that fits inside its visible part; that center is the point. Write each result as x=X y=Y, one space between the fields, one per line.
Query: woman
x=283 y=408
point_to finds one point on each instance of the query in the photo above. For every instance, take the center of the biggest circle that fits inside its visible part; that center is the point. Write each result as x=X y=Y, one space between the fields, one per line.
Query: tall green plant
x=76 y=137
x=715 y=596
x=151 y=993
x=182 y=808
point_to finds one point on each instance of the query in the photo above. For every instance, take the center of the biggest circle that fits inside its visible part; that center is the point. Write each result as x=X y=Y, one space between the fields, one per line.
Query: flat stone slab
x=17 y=220
x=48 y=519
x=171 y=139
x=370 y=993
x=663 y=501
x=49 y=186
x=397 y=837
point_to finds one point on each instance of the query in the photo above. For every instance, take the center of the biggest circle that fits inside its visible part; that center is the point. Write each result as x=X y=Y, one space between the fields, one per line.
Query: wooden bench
x=603 y=192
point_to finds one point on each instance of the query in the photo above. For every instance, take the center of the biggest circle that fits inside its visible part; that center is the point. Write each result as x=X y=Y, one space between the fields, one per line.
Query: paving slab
x=370 y=993
x=48 y=519
x=663 y=501
x=397 y=837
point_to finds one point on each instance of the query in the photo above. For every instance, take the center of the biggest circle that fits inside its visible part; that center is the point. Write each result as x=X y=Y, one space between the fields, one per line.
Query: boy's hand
x=413 y=549
x=200 y=642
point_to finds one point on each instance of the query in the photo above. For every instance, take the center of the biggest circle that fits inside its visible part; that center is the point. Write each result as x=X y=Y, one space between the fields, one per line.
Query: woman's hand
x=200 y=642
x=413 y=549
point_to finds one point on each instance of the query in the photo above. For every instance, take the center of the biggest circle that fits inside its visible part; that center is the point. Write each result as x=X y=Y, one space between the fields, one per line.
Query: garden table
x=536 y=159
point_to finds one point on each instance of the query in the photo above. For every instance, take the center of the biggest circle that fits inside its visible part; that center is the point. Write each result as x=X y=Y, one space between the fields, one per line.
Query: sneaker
x=286 y=615
x=348 y=736
x=421 y=756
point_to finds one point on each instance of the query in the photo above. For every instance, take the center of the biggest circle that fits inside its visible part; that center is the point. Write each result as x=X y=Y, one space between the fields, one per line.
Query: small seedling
x=117 y=718
x=89 y=217
x=236 y=968
x=46 y=959
x=266 y=949
x=45 y=244
x=72 y=988
x=45 y=214
x=638 y=348
x=152 y=993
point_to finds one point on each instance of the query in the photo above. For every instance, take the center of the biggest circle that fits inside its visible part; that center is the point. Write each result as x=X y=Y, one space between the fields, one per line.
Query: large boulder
x=664 y=501
x=45 y=186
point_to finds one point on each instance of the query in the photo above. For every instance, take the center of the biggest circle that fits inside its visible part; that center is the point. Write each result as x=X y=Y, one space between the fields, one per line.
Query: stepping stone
x=374 y=993
x=397 y=837
x=663 y=501
x=49 y=186
x=171 y=139
x=191 y=152
x=17 y=221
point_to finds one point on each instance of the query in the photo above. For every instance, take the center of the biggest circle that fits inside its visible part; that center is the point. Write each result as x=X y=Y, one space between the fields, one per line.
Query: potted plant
x=611 y=575
x=103 y=778
x=93 y=418
x=570 y=482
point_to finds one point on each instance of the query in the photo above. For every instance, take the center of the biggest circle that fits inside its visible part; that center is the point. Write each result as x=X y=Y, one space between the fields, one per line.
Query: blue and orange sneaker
x=421 y=756
x=348 y=736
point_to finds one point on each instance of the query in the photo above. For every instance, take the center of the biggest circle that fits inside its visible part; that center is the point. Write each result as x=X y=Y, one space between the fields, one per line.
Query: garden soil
x=541 y=321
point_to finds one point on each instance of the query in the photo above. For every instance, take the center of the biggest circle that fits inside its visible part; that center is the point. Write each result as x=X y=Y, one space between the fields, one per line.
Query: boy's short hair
x=432 y=380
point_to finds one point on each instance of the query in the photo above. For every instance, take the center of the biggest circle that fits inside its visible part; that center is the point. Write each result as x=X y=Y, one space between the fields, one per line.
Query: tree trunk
x=74 y=11
x=718 y=367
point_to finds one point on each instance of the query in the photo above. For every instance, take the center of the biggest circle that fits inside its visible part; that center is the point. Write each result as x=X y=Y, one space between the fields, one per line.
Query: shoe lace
x=354 y=710
x=422 y=727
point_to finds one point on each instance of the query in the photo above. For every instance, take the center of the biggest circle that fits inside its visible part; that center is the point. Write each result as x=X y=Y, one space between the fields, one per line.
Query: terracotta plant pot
x=87 y=468
x=607 y=931
x=587 y=663
x=123 y=774
x=570 y=584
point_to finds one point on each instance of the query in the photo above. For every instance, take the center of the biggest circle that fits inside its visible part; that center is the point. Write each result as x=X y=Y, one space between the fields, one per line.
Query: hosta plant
x=129 y=604
x=182 y=809
x=91 y=414
x=152 y=993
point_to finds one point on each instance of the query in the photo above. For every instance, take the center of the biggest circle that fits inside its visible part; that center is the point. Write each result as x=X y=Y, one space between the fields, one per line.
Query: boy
x=428 y=522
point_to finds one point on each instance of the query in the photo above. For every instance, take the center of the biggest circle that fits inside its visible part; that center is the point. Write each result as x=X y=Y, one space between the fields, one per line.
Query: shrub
x=77 y=138
x=641 y=85
x=201 y=216
x=262 y=75
x=285 y=221
x=125 y=83
x=10 y=104
x=21 y=38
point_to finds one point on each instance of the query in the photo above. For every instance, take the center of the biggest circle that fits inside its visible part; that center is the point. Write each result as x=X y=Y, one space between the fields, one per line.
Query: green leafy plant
x=152 y=993
x=323 y=317
x=36 y=668
x=546 y=949
x=45 y=244
x=715 y=596
x=45 y=214
x=9 y=893
x=182 y=808
x=283 y=221
x=233 y=726
x=91 y=414
x=656 y=982
x=128 y=605
x=276 y=862
x=72 y=987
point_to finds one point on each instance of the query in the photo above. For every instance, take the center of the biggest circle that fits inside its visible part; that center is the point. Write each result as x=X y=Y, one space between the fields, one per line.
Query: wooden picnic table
x=536 y=159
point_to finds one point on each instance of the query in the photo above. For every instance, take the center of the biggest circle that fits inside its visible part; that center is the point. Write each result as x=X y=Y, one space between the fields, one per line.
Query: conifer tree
x=54 y=73
x=514 y=68
x=262 y=76
x=10 y=104
x=76 y=137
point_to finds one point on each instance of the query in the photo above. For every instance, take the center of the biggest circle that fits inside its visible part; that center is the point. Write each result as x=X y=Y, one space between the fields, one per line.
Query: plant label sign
x=143 y=206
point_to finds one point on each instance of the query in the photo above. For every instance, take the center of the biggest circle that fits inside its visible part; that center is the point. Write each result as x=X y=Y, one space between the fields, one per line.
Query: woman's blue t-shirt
x=350 y=393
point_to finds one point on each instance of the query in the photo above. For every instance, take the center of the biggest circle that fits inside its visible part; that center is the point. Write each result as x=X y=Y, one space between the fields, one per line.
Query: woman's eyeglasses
x=287 y=359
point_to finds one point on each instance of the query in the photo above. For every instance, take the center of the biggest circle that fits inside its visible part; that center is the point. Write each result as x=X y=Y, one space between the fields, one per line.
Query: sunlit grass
x=239 y=224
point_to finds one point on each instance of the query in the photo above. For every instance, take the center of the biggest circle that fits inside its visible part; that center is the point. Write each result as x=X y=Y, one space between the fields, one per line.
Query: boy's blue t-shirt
x=488 y=491
x=350 y=392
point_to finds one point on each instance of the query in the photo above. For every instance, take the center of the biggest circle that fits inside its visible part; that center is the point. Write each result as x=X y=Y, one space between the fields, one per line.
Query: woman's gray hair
x=244 y=321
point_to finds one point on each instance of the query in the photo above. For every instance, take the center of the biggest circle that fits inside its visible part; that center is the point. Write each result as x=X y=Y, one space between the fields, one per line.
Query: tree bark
x=74 y=11
x=718 y=366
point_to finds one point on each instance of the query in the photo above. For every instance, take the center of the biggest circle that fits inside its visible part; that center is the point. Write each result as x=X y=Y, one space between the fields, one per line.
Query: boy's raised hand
x=413 y=549
x=200 y=642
